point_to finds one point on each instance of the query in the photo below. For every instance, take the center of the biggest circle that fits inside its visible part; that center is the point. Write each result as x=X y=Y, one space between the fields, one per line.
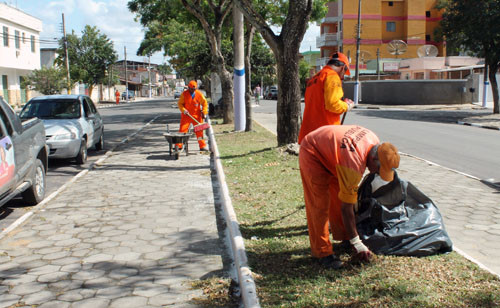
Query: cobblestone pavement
x=471 y=208
x=133 y=232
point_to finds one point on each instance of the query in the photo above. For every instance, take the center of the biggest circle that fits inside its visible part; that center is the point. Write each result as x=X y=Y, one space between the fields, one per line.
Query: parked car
x=72 y=124
x=131 y=94
x=272 y=93
x=23 y=155
x=178 y=91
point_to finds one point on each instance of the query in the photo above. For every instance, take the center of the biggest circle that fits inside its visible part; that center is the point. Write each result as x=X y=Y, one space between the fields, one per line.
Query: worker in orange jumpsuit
x=117 y=95
x=193 y=102
x=332 y=161
x=323 y=98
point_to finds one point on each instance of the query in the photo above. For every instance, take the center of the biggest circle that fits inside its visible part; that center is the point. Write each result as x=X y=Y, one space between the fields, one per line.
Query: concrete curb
x=478 y=125
x=245 y=278
x=42 y=204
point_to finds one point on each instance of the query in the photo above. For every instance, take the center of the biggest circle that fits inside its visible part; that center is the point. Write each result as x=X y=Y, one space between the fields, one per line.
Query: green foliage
x=90 y=56
x=46 y=80
x=304 y=71
x=263 y=63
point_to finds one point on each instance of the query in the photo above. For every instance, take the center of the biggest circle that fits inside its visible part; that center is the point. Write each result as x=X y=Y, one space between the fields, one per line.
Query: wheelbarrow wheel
x=176 y=152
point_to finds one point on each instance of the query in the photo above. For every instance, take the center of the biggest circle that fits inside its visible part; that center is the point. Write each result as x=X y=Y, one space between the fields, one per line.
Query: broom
x=200 y=126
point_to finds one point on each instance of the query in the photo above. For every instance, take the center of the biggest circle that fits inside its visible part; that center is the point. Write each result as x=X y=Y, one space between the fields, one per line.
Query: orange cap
x=192 y=84
x=342 y=58
x=389 y=159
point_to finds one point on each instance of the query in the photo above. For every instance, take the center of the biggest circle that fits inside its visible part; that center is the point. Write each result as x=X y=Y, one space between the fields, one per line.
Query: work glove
x=350 y=104
x=362 y=252
x=186 y=112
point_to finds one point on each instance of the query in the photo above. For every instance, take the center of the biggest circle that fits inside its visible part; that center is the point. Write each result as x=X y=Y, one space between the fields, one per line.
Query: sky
x=111 y=17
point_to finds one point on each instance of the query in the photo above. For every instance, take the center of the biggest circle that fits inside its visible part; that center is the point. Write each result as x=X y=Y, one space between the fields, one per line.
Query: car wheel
x=81 y=158
x=100 y=144
x=36 y=192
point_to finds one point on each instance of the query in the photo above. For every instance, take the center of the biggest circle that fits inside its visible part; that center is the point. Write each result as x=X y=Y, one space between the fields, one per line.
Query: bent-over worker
x=323 y=97
x=332 y=161
x=193 y=102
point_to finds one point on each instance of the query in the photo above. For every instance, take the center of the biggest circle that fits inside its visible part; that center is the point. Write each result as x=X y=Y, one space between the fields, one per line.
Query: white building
x=19 y=51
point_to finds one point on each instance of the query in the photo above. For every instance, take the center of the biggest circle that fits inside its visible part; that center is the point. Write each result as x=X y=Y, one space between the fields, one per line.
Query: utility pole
x=358 y=41
x=378 y=64
x=149 y=74
x=126 y=77
x=239 y=71
x=66 y=54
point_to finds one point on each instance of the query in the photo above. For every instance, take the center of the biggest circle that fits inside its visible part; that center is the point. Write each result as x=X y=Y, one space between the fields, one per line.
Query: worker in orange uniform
x=117 y=95
x=332 y=161
x=323 y=98
x=192 y=102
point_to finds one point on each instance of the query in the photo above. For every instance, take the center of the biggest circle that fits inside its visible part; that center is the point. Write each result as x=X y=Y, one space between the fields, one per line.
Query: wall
x=412 y=92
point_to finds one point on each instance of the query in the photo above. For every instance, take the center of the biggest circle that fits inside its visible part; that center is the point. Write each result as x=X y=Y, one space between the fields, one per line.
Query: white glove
x=186 y=111
x=350 y=104
x=358 y=245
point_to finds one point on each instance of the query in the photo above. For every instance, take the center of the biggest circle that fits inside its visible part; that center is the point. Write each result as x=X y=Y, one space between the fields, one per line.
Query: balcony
x=328 y=39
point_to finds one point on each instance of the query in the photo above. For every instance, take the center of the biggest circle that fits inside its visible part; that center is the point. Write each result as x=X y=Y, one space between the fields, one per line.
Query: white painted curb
x=245 y=278
x=42 y=204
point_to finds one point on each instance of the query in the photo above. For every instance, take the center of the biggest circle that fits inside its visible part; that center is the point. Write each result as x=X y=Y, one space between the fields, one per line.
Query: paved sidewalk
x=471 y=209
x=133 y=232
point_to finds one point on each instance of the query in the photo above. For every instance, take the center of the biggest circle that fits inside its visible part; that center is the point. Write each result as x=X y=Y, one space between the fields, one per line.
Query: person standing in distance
x=323 y=97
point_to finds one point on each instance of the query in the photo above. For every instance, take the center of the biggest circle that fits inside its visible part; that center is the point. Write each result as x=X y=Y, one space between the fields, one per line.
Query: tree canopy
x=90 y=56
x=460 y=25
x=46 y=80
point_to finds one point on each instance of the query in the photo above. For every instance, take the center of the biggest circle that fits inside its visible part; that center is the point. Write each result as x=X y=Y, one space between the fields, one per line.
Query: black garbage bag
x=398 y=219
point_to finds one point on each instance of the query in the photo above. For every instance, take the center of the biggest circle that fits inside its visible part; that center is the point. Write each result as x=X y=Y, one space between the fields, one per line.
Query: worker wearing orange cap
x=193 y=102
x=332 y=161
x=323 y=98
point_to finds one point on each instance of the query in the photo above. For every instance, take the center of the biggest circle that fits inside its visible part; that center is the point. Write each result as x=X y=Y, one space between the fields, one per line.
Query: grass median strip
x=266 y=191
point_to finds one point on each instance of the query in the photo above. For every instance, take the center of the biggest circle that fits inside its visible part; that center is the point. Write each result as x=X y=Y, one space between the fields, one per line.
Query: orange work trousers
x=185 y=122
x=323 y=206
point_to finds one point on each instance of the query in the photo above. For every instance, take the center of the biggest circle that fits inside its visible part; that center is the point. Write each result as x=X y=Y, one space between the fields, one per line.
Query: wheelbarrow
x=174 y=138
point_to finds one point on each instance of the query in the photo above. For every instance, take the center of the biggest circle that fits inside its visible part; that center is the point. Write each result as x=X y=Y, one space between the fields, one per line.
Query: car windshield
x=52 y=109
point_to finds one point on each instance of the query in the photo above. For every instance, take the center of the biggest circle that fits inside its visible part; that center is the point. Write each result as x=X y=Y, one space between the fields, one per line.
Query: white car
x=72 y=124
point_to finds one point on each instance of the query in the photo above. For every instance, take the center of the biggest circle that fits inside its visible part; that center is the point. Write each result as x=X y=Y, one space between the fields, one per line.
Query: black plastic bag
x=398 y=219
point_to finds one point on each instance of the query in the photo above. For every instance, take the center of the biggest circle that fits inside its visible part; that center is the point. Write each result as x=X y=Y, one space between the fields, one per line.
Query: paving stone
x=87 y=275
x=53 y=277
x=65 y=261
x=28 y=288
x=98 y=258
x=8 y=300
x=129 y=256
x=92 y=303
x=38 y=298
x=114 y=292
x=123 y=272
x=56 y=255
x=19 y=279
x=149 y=290
x=55 y=304
x=129 y=302
x=68 y=242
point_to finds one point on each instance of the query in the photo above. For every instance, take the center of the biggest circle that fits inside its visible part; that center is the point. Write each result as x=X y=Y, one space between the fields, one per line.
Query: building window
x=427 y=37
x=390 y=26
x=427 y=14
x=17 y=39
x=24 y=37
x=32 y=43
x=391 y=3
x=6 y=36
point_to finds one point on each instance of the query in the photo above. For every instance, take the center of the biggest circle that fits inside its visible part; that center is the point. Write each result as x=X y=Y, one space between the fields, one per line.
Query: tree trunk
x=493 y=68
x=226 y=82
x=248 y=73
x=288 y=108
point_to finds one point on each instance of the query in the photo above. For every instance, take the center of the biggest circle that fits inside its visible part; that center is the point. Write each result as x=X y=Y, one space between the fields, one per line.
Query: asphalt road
x=432 y=135
x=120 y=121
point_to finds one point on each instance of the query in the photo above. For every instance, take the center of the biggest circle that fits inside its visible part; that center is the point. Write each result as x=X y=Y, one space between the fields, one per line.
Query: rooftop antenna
x=397 y=47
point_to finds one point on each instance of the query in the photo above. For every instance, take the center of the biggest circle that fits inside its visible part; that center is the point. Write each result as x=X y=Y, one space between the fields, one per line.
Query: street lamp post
x=358 y=41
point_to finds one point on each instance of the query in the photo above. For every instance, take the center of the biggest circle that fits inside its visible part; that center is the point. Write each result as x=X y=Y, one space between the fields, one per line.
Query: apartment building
x=19 y=51
x=397 y=29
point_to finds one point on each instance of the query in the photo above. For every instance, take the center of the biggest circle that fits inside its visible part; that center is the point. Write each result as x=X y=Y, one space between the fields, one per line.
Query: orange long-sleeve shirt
x=193 y=105
x=323 y=101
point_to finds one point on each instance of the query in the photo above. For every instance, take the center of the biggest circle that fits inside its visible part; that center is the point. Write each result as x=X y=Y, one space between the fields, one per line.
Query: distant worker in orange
x=323 y=98
x=117 y=95
x=192 y=102
x=332 y=161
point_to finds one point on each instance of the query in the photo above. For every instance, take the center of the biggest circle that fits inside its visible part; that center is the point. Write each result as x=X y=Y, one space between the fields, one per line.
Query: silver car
x=72 y=124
